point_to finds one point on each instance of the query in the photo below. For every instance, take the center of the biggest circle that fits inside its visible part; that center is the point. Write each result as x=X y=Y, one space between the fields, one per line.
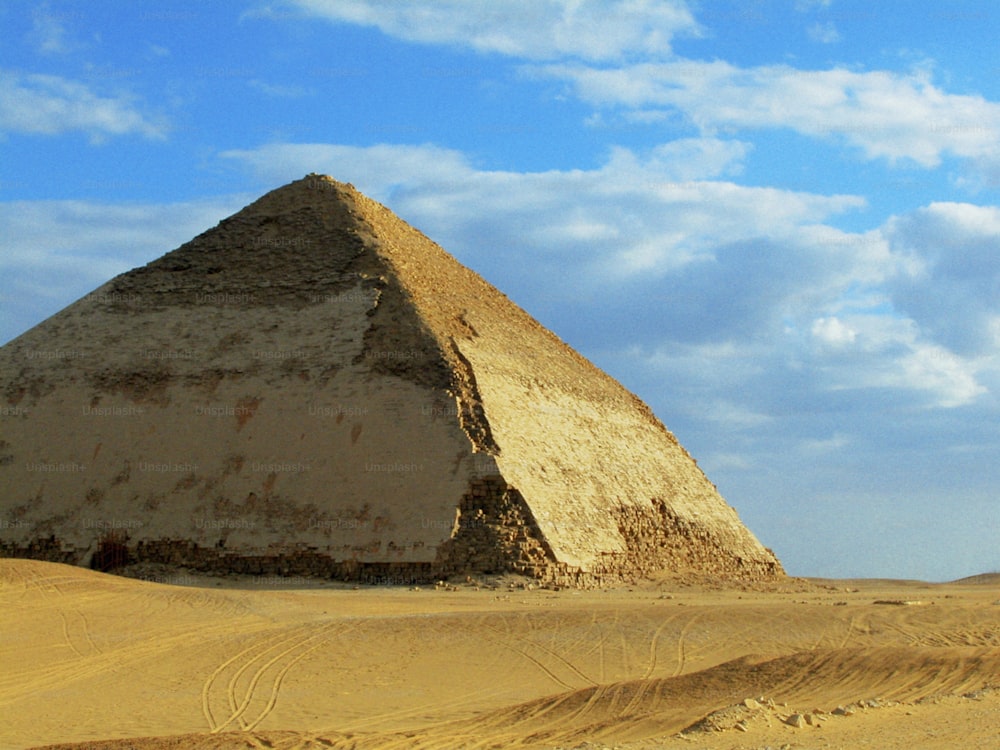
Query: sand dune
x=118 y=663
x=986 y=579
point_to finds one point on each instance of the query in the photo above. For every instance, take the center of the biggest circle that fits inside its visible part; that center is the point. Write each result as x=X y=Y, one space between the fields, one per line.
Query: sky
x=776 y=221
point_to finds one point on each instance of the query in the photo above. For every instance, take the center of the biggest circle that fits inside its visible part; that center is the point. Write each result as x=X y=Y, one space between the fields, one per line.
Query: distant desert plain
x=93 y=660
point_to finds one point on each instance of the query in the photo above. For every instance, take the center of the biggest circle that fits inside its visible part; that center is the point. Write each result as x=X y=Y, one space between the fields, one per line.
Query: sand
x=100 y=661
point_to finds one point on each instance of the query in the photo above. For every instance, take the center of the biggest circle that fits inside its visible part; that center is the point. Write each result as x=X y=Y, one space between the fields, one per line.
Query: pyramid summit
x=315 y=387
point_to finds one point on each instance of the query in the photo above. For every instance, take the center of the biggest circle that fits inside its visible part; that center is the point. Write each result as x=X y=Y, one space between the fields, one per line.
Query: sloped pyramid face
x=314 y=387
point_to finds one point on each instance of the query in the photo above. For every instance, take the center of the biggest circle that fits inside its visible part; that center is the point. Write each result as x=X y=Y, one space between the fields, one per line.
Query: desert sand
x=92 y=660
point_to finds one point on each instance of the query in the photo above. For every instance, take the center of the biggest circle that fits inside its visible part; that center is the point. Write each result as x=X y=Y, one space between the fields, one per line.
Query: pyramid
x=313 y=387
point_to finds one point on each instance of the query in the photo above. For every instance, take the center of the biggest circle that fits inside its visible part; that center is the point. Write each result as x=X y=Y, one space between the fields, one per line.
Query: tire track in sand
x=54 y=595
x=682 y=644
x=509 y=640
x=280 y=664
x=280 y=677
x=562 y=659
x=643 y=686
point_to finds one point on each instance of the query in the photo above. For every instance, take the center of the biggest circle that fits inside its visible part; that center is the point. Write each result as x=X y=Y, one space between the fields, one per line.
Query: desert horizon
x=101 y=661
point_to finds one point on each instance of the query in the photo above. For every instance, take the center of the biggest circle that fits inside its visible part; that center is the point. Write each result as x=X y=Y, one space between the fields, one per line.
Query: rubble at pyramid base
x=495 y=534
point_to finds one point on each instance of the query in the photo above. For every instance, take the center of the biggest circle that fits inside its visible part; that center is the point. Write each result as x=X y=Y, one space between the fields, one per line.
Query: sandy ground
x=111 y=662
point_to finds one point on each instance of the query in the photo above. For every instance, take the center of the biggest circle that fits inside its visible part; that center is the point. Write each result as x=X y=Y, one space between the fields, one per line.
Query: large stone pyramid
x=314 y=387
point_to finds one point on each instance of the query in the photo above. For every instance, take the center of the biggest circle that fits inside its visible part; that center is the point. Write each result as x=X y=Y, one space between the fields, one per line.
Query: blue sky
x=775 y=221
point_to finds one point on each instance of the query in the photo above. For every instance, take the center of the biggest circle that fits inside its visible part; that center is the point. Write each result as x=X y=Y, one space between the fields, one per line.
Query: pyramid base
x=495 y=534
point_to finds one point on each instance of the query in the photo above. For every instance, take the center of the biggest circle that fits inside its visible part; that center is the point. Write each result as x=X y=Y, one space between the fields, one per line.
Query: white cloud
x=833 y=331
x=49 y=105
x=937 y=370
x=667 y=259
x=887 y=351
x=48 y=233
x=686 y=159
x=944 y=379
x=887 y=115
x=531 y=29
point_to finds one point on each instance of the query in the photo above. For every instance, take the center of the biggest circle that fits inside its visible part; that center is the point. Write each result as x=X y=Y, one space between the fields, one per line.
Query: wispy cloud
x=887 y=115
x=49 y=34
x=617 y=55
x=529 y=29
x=37 y=104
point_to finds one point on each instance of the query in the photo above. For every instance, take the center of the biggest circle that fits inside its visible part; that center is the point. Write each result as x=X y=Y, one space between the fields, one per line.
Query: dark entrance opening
x=112 y=553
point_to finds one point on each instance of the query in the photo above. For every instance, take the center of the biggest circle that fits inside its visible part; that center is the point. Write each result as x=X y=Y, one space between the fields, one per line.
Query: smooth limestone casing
x=609 y=487
x=575 y=486
x=315 y=374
